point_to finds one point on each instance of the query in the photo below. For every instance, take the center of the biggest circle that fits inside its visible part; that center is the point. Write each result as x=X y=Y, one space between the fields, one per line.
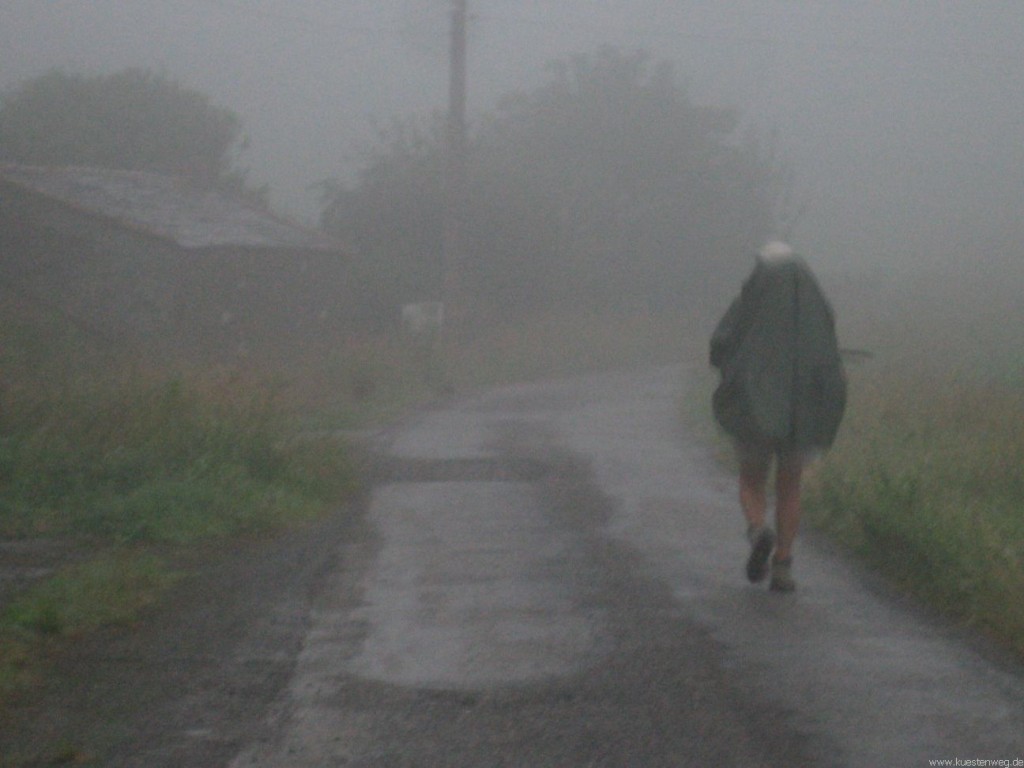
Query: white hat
x=776 y=250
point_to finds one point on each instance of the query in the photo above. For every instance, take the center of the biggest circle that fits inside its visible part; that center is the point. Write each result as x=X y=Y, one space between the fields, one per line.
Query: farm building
x=149 y=259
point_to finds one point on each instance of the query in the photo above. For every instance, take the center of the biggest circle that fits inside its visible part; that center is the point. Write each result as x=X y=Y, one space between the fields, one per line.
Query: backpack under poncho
x=782 y=379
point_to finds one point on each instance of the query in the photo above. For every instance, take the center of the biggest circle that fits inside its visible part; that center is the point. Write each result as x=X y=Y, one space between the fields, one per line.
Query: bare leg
x=787 y=505
x=753 y=496
x=754 y=466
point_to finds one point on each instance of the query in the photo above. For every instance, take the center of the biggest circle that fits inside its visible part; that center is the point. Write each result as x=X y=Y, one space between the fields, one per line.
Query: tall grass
x=110 y=588
x=101 y=591
x=927 y=483
x=150 y=461
x=124 y=468
x=926 y=480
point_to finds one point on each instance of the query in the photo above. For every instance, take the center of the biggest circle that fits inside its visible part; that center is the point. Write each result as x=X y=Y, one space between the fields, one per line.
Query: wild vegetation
x=925 y=480
x=123 y=469
x=926 y=484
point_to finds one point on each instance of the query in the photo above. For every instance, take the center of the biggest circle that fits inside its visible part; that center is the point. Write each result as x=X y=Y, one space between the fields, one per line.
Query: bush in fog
x=606 y=187
x=129 y=120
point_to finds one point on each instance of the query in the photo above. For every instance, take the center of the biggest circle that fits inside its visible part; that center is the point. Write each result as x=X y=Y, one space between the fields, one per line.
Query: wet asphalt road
x=551 y=575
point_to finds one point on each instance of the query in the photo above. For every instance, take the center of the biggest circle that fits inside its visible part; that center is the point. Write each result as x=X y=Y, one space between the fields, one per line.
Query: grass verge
x=119 y=472
x=925 y=483
x=108 y=589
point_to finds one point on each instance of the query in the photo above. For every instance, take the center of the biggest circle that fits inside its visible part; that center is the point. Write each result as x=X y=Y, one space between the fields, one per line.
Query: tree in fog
x=130 y=120
x=606 y=187
x=392 y=220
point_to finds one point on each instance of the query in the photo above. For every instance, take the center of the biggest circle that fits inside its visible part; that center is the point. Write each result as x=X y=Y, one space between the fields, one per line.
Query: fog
x=902 y=121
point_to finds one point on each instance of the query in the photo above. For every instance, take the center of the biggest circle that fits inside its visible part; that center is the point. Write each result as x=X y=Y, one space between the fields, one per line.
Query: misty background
x=902 y=122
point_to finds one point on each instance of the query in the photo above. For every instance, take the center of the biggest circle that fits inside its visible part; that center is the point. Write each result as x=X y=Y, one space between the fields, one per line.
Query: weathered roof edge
x=229 y=221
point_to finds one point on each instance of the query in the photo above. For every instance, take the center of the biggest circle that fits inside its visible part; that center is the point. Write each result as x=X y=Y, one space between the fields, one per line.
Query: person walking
x=781 y=397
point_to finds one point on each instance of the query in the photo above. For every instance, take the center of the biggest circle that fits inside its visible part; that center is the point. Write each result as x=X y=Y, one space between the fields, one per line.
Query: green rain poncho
x=782 y=380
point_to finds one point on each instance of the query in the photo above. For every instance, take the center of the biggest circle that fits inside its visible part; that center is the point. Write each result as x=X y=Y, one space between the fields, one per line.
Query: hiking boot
x=762 y=542
x=782 y=576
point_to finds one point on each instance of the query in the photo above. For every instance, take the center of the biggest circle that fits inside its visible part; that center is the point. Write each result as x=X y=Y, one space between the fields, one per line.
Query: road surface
x=552 y=575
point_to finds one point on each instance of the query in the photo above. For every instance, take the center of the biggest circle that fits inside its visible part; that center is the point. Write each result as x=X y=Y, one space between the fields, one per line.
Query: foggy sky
x=903 y=120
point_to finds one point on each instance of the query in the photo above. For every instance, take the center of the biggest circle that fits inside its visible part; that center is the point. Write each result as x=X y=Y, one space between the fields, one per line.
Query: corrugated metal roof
x=168 y=207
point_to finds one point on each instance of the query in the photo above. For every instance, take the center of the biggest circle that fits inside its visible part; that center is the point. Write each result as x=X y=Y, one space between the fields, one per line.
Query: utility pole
x=455 y=178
